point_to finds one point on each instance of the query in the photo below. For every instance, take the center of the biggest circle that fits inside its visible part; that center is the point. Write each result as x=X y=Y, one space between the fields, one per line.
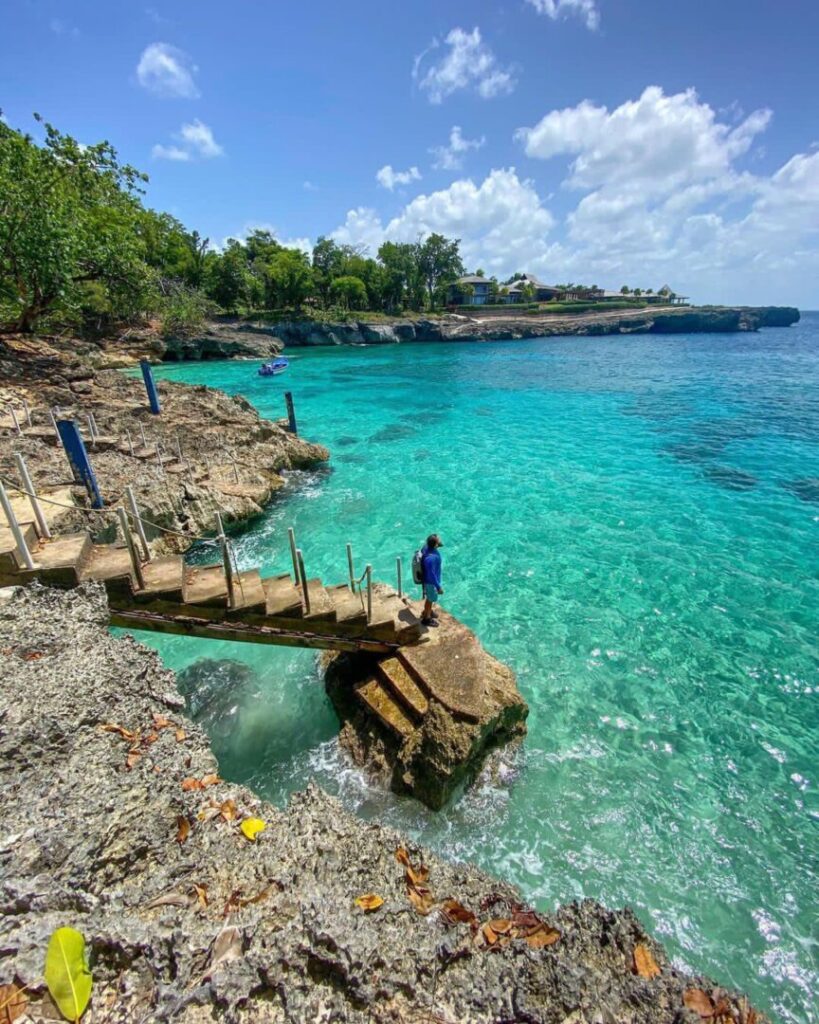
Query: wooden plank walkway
x=195 y=600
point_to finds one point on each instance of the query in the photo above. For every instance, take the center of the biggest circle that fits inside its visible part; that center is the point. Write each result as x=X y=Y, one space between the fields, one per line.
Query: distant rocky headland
x=232 y=338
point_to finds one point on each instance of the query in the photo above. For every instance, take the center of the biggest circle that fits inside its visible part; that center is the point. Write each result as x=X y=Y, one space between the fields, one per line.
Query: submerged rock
x=425 y=721
x=188 y=921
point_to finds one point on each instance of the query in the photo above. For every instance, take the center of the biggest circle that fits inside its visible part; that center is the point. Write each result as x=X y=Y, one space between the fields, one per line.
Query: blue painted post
x=78 y=458
x=291 y=412
x=150 y=386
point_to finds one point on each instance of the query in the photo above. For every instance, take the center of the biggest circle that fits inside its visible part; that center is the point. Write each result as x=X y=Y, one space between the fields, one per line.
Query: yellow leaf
x=180 y=735
x=66 y=973
x=644 y=963
x=251 y=827
x=369 y=902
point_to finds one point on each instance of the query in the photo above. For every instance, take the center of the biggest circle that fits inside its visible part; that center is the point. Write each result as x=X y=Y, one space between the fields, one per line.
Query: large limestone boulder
x=426 y=720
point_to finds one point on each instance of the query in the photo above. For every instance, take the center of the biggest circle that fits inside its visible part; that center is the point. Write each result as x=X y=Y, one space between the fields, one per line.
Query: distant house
x=516 y=291
x=471 y=290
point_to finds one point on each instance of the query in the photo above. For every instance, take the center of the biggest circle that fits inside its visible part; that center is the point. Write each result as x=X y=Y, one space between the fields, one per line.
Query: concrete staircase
x=174 y=591
x=397 y=694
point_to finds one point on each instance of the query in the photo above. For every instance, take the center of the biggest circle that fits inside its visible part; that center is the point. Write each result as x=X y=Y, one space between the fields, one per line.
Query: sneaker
x=429 y=622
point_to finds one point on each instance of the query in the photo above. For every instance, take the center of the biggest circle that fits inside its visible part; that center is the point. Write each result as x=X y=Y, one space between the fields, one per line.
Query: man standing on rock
x=431 y=562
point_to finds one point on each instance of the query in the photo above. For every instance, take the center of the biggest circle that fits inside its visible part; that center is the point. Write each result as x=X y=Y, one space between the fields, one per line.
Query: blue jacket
x=432 y=567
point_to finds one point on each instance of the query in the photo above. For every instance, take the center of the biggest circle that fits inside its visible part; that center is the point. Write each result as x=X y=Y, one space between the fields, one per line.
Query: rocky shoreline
x=507 y=327
x=233 y=461
x=113 y=821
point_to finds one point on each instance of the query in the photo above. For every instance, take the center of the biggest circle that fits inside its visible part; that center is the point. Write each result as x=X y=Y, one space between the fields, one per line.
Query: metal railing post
x=28 y=486
x=291 y=413
x=91 y=431
x=130 y=442
x=56 y=428
x=369 y=593
x=136 y=565
x=398 y=571
x=27 y=411
x=350 y=567
x=142 y=433
x=94 y=428
x=140 y=529
x=14 y=419
x=303 y=577
x=291 y=534
x=226 y=562
x=16 y=532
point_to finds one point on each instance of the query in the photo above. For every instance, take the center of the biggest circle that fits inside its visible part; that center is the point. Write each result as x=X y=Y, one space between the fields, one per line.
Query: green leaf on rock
x=66 y=973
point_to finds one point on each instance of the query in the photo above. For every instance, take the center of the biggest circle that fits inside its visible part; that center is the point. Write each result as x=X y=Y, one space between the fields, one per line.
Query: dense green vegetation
x=79 y=249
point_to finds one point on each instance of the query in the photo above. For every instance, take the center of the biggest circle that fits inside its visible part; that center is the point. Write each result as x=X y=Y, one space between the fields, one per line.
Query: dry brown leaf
x=226 y=946
x=33 y=655
x=209 y=812
x=421 y=898
x=132 y=759
x=191 y=783
x=180 y=735
x=417 y=876
x=152 y=737
x=644 y=963
x=526 y=922
x=501 y=925
x=369 y=902
x=13 y=1003
x=456 y=912
x=228 y=810
x=402 y=856
x=183 y=829
x=201 y=894
x=210 y=780
x=698 y=1001
x=489 y=934
x=161 y=722
x=544 y=936
x=170 y=899
x=126 y=734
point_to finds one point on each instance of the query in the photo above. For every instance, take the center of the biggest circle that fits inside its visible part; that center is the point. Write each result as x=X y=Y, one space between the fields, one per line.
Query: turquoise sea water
x=632 y=524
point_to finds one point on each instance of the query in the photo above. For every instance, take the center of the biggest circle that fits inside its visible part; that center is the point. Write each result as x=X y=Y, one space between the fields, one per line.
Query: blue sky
x=604 y=141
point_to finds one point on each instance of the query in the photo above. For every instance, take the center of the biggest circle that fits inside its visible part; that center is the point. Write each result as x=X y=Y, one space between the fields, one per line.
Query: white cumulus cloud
x=167 y=71
x=656 y=143
x=194 y=140
x=501 y=222
x=450 y=157
x=467 y=63
x=585 y=9
x=389 y=178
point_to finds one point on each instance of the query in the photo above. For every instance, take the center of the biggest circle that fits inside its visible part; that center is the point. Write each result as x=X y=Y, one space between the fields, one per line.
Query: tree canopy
x=78 y=247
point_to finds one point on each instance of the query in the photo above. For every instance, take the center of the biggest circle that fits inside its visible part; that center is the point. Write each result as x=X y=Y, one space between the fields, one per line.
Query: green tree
x=291 y=277
x=69 y=218
x=439 y=263
x=625 y=290
x=403 y=284
x=229 y=280
x=349 y=292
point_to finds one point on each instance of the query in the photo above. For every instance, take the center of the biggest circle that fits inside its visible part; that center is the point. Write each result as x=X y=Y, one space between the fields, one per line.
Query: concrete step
x=106 y=562
x=10 y=560
x=321 y=604
x=249 y=594
x=164 y=580
x=283 y=599
x=376 y=698
x=349 y=607
x=400 y=683
x=205 y=585
x=61 y=559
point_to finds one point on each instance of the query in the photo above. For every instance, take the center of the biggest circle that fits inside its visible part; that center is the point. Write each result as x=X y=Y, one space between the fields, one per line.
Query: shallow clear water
x=632 y=524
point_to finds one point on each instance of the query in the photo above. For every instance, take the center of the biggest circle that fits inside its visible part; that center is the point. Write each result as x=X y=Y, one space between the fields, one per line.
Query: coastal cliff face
x=113 y=821
x=499 y=327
